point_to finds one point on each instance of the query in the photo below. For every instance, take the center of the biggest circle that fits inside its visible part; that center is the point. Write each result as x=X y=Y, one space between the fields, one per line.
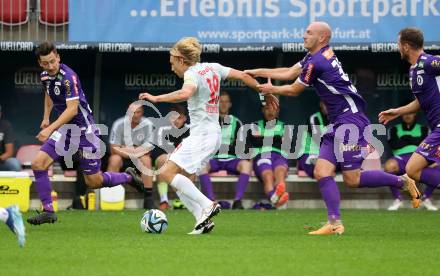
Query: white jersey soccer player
x=201 y=89
x=203 y=109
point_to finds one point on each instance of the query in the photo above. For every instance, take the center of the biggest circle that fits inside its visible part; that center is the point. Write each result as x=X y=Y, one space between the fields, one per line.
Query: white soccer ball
x=154 y=221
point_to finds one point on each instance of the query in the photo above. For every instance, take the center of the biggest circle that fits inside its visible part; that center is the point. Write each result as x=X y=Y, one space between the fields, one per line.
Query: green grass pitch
x=243 y=243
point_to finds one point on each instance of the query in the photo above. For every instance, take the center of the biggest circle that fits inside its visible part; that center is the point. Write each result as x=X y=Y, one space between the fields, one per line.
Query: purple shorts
x=58 y=147
x=430 y=147
x=261 y=163
x=338 y=147
x=307 y=164
x=229 y=165
x=401 y=160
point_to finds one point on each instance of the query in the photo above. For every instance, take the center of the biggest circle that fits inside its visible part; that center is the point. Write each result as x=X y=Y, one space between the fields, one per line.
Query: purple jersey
x=424 y=77
x=323 y=71
x=65 y=86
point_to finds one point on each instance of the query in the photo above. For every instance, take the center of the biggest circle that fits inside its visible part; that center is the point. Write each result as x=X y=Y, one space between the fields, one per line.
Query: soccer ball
x=154 y=221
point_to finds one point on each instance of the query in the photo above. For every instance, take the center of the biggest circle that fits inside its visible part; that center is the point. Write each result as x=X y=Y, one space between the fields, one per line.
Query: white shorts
x=195 y=151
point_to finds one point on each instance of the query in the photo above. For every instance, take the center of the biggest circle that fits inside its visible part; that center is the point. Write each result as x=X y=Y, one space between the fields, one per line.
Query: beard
x=404 y=56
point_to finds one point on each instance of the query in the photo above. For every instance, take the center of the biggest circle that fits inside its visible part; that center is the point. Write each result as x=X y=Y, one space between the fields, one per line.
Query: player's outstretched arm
x=246 y=78
x=292 y=90
x=252 y=83
x=393 y=113
x=178 y=96
x=284 y=73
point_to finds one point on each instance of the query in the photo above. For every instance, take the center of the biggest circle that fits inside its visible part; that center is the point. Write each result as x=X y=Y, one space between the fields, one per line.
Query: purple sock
x=270 y=194
x=242 y=183
x=205 y=182
x=42 y=183
x=396 y=193
x=428 y=192
x=111 y=179
x=330 y=194
x=431 y=177
x=376 y=178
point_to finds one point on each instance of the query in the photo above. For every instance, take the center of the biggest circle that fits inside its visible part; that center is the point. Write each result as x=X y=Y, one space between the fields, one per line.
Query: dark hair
x=412 y=36
x=179 y=109
x=45 y=48
x=224 y=93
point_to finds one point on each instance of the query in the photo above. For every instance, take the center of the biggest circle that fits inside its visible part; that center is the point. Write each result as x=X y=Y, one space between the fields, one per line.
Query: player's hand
x=272 y=101
x=148 y=97
x=44 y=135
x=253 y=73
x=388 y=115
x=45 y=123
x=266 y=88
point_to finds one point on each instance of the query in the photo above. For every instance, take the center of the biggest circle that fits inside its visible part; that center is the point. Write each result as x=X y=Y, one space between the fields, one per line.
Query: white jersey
x=138 y=136
x=203 y=105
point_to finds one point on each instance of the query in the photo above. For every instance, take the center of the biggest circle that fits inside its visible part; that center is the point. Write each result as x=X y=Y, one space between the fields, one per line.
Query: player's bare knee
x=93 y=181
x=391 y=166
x=245 y=166
x=160 y=161
x=115 y=158
x=38 y=164
x=411 y=171
x=93 y=184
x=351 y=181
x=266 y=175
x=146 y=161
x=168 y=176
x=114 y=162
x=320 y=173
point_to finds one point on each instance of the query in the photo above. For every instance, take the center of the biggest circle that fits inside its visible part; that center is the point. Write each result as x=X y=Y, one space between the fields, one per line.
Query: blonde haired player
x=201 y=89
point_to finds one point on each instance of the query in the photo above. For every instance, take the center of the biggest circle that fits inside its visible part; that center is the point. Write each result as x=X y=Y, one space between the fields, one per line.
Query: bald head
x=317 y=35
x=323 y=29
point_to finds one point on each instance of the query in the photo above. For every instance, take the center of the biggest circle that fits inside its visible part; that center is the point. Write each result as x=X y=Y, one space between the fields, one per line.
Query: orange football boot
x=329 y=229
x=411 y=188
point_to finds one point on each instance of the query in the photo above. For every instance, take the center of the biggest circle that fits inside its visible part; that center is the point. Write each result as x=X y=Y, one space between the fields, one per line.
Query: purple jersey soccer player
x=424 y=76
x=321 y=69
x=63 y=94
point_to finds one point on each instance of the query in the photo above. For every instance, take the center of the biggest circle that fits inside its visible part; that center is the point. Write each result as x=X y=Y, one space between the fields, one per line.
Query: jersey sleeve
x=70 y=84
x=222 y=70
x=190 y=78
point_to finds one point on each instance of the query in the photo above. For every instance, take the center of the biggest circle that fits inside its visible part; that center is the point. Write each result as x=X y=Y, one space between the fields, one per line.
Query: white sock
x=183 y=184
x=164 y=198
x=191 y=205
x=163 y=191
x=4 y=215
